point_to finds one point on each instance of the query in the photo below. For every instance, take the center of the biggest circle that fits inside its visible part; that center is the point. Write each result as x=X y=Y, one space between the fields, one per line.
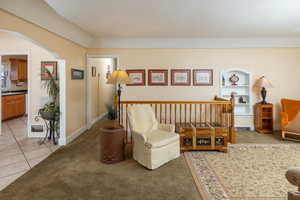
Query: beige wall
x=280 y=65
x=101 y=93
x=11 y=43
x=71 y=52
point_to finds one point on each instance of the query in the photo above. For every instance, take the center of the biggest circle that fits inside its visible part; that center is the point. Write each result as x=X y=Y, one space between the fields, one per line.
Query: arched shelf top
x=240 y=70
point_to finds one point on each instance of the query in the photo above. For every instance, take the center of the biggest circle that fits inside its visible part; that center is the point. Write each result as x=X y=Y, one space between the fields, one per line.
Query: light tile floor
x=18 y=153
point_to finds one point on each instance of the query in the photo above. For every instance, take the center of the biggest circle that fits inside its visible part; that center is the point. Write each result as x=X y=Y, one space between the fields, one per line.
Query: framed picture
x=157 y=77
x=203 y=77
x=180 y=77
x=51 y=66
x=77 y=74
x=137 y=77
x=94 y=71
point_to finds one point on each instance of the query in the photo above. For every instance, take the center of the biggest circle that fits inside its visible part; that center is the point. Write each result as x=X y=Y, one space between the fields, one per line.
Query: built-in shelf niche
x=242 y=89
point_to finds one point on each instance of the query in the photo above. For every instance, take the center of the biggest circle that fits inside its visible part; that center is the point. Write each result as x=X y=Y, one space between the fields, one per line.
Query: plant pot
x=111 y=142
x=47 y=115
x=112 y=124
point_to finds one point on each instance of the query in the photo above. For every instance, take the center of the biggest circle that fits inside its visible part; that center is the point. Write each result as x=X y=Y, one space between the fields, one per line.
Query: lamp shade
x=118 y=77
x=262 y=82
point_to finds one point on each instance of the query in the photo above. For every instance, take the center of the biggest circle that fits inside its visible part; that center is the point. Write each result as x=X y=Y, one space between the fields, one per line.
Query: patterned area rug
x=247 y=171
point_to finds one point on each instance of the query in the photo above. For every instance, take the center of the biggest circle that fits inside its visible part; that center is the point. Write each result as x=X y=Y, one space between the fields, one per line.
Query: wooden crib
x=218 y=113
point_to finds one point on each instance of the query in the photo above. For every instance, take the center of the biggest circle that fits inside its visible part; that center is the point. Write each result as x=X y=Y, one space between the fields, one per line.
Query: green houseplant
x=112 y=116
x=111 y=112
x=51 y=111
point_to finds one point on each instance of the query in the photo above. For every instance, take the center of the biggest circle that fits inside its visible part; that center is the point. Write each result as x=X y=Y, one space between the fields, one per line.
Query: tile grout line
x=9 y=164
x=14 y=174
x=19 y=146
x=24 y=158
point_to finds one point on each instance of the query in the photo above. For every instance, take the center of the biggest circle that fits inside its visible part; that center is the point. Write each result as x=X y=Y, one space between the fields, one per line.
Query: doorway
x=20 y=149
x=14 y=94
x=99 y=93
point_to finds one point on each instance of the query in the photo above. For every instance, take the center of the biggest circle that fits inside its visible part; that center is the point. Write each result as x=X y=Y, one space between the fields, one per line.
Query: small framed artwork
x=51 y=66
x=157 y=77
x=181 y=77
x=94 y=71
x=137 y=77
x=203 y=77
x=77 y=74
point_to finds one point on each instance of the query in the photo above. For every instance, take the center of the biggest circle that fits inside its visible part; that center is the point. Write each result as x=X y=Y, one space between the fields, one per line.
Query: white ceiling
x=40 y=13
x=183 y=18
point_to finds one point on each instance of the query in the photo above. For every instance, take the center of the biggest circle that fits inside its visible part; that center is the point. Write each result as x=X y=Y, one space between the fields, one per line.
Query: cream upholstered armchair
x=154 y=144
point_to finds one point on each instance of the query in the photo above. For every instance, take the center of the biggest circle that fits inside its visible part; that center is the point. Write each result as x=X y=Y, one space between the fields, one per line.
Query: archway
x=32 y=65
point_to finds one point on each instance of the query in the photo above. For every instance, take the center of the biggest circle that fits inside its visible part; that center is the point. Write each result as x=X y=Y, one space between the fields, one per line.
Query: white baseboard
x=36 y=134
x=62 y=141
x=250 y=127
x=78 y=132
x=97 y=119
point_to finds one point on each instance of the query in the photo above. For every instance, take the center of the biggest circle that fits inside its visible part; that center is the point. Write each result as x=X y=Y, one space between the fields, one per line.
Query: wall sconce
x=108 y=73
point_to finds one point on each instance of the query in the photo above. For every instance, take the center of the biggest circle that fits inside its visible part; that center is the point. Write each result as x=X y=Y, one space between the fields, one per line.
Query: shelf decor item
x=263 y=83
x=137 y=77
x=108 y=73
x=181 y=77
x=158 y=77
x=77 y=74
x=94 y=71
x=234 y=79
x=241 y=100
x=119 y=77
x=203 y=77
x=51 y=66
x=223 y=81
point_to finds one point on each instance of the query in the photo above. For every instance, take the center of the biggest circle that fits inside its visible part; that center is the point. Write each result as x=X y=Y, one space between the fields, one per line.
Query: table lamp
x=263 y=83
x=119 y=77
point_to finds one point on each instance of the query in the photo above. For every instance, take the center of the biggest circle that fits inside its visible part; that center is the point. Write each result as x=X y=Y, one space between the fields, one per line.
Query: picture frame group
x=179 y=77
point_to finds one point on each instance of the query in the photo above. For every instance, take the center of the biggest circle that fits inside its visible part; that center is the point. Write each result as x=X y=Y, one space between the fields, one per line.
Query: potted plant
x=111 y=138
x=112 y=115
x=50 y=111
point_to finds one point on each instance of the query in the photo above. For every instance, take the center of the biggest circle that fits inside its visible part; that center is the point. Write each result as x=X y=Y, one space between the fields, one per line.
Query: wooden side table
x=264 y=118
x=111 y=143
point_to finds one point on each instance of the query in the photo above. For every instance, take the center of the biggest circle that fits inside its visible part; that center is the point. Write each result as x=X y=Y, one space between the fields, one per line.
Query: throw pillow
x=294 y=125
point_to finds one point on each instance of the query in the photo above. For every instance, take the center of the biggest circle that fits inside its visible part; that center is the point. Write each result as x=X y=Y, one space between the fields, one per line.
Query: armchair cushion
x=167 y=127
x=142 y=118
x=294 y=125
x=160 y=138
x=291 y=107
x=284 y=120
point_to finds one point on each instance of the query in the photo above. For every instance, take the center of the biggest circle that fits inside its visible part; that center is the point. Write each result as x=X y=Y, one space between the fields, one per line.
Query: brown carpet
x=75 y=173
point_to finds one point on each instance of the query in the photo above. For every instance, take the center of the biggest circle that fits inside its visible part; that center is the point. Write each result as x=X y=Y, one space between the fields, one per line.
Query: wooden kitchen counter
x=13 y=106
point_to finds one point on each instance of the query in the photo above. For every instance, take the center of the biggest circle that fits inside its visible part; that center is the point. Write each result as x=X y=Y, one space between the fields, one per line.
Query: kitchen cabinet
x=13 y=106
x=18 y=70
